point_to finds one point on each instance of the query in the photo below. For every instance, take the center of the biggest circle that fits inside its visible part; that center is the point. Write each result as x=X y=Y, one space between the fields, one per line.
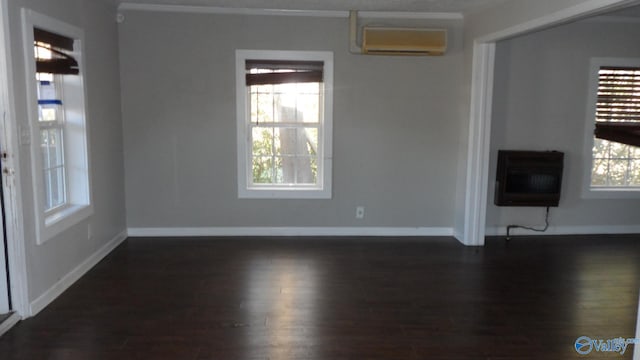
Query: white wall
x=396 y=125
x=540 y=103
x=50 y=262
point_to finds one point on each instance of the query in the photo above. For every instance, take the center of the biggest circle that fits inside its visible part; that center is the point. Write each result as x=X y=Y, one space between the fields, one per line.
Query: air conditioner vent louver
x=403 y=41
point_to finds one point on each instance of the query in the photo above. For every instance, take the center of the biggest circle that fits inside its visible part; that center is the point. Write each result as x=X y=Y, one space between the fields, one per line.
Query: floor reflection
x=606 y=289
x=281 y=303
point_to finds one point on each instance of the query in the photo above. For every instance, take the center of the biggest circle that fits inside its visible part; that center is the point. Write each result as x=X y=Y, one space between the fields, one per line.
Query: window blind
x=60 y=62
x=618 y=105
x=273 y=72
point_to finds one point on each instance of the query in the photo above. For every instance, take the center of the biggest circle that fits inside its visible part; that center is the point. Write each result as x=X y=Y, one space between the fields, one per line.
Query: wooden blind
x=618 y=105
x=618 y=94
x=61 y=62
x=273 y=72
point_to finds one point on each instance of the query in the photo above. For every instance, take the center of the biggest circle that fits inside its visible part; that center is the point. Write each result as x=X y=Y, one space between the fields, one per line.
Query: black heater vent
x=529 y=178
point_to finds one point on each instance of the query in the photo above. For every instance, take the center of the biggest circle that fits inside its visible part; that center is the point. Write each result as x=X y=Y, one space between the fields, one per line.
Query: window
x=614 y=127
x=58 y=138
x=284 y=101
x=51 y=130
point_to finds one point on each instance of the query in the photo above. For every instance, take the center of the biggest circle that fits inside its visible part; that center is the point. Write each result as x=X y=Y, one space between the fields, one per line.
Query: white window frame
x=588 y=191
x=76 y=145
x=323 y=189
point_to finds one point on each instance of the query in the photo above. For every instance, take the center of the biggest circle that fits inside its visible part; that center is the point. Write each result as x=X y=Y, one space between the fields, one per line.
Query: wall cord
x=546 y=226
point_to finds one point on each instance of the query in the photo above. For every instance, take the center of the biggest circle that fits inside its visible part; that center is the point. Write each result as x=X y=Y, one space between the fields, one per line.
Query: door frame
x=11 y=184
x=479 y=141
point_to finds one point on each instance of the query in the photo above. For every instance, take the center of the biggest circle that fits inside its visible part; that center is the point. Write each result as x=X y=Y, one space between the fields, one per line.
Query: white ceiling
x=455 y=6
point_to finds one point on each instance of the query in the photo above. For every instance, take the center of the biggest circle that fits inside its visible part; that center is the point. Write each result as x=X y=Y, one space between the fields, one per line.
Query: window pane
x=262 y=103
x=47 y=88
x=57 y=187
x=311 y=135
x=48 y=114
x=47 y=190
x=54 y=188
x=614 y=164
x=55 y=147
x=634 y=173
x=44 y=146
x=309 y=88
x=617 y=172
x=297 y=141
x=262 y=139
x=254 y=107
x=297 y=170
x=618 y=150
x=262 y=170
x=306 y=170
x=285 y=108
x=599 y=173
x=314 y=168
x=278 y=172
x=600 y=148
x=309 y=104
x=44 y=77
x=289 y=139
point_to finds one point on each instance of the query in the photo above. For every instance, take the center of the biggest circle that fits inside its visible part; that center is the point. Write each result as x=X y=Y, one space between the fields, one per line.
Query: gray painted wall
x=49 y=262
x=540 y=103
x=396 y=125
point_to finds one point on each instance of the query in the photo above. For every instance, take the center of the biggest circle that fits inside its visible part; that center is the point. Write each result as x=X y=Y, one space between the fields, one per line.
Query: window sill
x=275 y=193
x=61 y=220
x=612 y=193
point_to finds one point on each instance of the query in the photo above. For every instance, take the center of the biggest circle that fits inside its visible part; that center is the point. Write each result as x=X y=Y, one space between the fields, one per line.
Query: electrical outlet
x=360 y=212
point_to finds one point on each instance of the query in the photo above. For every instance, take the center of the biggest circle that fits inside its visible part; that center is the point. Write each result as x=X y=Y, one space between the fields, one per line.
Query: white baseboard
x=291 y=231
x=63 y=284
x=9 y=323
x=568 y=230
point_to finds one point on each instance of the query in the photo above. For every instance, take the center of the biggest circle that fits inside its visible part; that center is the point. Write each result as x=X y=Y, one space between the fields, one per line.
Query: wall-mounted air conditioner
x=403 y=41
x=378 y=40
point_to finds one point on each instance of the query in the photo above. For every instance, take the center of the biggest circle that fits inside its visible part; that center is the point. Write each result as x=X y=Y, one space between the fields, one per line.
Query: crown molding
x=283 y=12
x=610 y=19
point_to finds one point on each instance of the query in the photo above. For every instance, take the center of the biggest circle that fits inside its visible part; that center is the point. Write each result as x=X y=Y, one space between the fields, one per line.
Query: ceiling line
x=283 y=12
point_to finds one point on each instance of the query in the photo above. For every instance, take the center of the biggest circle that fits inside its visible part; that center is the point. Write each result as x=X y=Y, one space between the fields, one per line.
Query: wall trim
x=568 y=230
x=284 y=12
x=475 y=210
x=9 y=323
x=559 y=17
x=66 y=281
x=17 y=258
x=289 y=231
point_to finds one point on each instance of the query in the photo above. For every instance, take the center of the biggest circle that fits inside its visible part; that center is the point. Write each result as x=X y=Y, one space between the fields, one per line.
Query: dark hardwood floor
x=341 y=298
